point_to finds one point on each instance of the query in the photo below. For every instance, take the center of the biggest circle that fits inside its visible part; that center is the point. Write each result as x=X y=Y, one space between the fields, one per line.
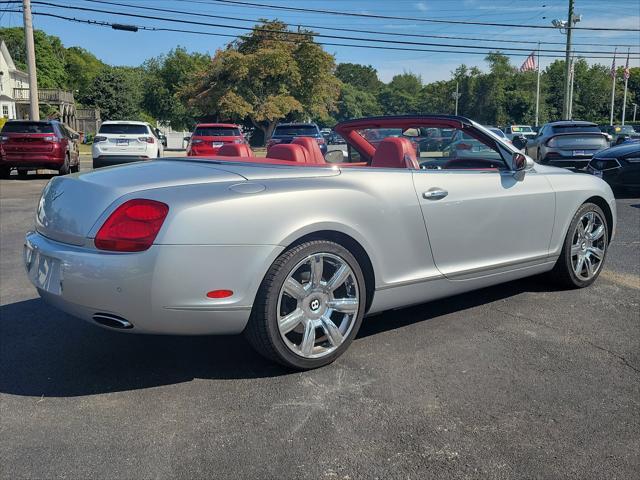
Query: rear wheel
x=309 y=307
x=66 y=167
x=5 y=172
x=584 y=249
x=22 y=172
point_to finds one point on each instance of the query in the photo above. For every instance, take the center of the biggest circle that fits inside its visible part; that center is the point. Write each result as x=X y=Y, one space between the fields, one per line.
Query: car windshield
x=498 y=132
x=123 y=128
x=576 y=128
x=295 y=130
x=216 y=132
x=625 y=129
x=27 y=127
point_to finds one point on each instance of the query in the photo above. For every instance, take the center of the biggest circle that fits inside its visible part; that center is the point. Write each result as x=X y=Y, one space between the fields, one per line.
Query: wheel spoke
x=596 y=252
x=589 y=226
x=339 y=277
x=294 y=289
x=579 y=265
x=575 y=250
x=344 y=305
x=587 y=261
x=291 y=321
x=332 y=331
x=597 y=233
x=317 y=266
x=309 y=339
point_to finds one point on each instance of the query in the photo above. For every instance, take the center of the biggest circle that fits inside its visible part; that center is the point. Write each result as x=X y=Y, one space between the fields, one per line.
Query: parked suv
x=26 y=145
x=207 y=138
x=122 y=141
x=286 y=132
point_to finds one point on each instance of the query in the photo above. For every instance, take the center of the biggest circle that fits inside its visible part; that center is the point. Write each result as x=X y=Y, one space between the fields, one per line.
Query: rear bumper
x=31 y=160
x=161 y=290
x=109 y=160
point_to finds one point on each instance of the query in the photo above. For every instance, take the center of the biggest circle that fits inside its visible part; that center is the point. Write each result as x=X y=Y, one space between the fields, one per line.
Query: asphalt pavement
x=515 y=381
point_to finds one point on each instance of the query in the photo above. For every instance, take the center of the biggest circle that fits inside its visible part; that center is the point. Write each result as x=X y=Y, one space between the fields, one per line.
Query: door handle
x=435 y=194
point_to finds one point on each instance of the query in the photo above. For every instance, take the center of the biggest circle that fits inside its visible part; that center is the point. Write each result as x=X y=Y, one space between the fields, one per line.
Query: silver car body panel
x=228 y=222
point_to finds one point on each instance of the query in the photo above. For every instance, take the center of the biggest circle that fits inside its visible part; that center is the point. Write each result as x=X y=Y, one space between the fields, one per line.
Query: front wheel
x=585 y=248
x=309 y=306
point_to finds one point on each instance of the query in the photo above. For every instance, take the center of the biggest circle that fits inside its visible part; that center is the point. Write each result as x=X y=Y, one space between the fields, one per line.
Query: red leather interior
x=395 y=152
x=290 y=152
x=235 y=150
x=312 y=148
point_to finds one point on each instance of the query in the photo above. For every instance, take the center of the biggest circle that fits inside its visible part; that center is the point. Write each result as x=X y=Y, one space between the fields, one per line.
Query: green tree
x=266 y=76
x=117 y=92
x=364 y=77
x=82 y=68
x=165 y=77
x=356 y=103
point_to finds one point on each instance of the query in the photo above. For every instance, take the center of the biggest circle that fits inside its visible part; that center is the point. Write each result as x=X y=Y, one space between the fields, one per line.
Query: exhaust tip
x=112 y=321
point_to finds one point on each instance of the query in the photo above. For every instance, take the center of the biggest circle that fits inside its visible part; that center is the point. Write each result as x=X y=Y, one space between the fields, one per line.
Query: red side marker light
x=219 y=293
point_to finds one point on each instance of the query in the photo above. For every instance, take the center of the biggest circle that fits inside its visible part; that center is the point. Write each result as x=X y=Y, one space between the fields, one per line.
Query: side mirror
x=519 y=162
x=187 y=138
x=519 y=142
x=335 y=156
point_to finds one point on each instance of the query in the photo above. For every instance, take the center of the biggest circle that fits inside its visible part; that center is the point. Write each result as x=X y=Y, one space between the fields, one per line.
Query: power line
x=329 y=44
x=334 y=37
x=392 y=34
x=415 y=19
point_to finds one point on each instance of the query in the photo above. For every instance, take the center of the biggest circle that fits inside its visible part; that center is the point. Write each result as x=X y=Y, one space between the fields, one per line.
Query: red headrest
x=235 y=150
x=289 y=152
x=312 y=148
x=395 y=152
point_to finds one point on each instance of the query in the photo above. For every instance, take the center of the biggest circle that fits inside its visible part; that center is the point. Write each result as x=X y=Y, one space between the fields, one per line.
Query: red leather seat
x=395 y=152
x=235 y=150
x=312 y=148
x=290 y=152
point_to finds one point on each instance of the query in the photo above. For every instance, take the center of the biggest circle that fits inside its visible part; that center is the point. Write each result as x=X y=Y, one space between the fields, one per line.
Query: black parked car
x=286 y=132
x=619 y=166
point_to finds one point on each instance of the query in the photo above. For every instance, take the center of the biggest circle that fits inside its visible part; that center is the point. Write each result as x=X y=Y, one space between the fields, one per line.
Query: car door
x=532 y=146
x=482 y=220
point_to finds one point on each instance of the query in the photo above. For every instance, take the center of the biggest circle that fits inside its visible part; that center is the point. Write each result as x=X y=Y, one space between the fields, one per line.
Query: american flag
x=626 y=68
x=529 y=64
x=613 y=66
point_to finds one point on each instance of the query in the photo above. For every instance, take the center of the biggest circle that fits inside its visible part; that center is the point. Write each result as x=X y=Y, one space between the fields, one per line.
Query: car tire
x=267 y=328
x=22 y=173
x=565 y=271
x=65 y=169
x=5 y=172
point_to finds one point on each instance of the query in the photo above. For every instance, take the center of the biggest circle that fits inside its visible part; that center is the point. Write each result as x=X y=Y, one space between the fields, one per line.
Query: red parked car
x=207 y=138
x=27 y=145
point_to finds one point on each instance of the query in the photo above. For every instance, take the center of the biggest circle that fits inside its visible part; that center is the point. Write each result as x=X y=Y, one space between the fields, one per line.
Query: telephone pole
x=567 y=71
x=34 y=109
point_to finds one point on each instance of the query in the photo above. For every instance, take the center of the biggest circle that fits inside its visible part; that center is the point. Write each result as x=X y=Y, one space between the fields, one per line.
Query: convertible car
x=294 y=250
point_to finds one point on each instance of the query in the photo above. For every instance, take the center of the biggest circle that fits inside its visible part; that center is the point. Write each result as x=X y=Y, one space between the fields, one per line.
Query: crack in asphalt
x=620 y=357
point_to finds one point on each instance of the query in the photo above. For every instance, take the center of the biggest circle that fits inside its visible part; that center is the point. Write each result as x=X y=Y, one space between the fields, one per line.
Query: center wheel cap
x=315 y=304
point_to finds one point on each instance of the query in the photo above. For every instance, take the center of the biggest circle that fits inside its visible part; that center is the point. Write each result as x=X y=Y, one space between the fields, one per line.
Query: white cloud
x=422 y=6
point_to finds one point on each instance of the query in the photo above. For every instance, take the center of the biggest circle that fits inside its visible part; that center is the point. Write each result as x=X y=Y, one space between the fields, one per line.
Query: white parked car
x=123 y=141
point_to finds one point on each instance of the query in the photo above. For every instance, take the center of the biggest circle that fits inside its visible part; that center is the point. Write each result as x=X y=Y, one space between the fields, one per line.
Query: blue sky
x=125 y=48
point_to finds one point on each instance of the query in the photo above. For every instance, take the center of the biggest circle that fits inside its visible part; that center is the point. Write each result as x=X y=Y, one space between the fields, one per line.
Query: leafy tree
x=266 y=76
x=165 y=77
x=356 y=103
x=117 y=92
x=406 y=82
x=364 y=77
x=82 y=68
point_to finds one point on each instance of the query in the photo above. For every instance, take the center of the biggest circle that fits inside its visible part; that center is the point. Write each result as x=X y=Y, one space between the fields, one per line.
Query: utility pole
x=567 y=71
x=457 y=96
x=538 y=88
x=635 y=107
x=572 y=80
x=34 y=109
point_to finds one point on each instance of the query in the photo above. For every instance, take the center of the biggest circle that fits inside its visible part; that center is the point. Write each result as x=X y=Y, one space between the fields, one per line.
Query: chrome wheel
x=588 y=245
x=318 y=305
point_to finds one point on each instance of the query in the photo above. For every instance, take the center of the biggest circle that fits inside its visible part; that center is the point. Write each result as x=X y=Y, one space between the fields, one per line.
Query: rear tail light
x=4 y=138
x=51 y=138
x=146 y=139
x=238 y=140
x=551 y=142
x=132 y=227
x=99 y=139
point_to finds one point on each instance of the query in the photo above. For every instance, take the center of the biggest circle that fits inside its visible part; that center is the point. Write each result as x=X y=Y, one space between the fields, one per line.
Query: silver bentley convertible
x=295 y=249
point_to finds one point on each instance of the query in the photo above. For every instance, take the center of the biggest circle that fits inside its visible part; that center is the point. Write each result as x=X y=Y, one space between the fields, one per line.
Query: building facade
x=10 y=79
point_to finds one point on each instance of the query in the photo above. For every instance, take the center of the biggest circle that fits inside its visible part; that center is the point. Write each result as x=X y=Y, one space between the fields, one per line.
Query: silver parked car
x=294 y=252
x=567 y=143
